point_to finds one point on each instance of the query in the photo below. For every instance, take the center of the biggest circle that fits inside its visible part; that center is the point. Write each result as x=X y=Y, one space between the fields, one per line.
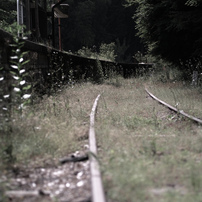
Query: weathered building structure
x=39 y=18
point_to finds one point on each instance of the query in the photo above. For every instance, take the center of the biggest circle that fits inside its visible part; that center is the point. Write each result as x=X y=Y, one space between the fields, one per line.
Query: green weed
x=147 y=155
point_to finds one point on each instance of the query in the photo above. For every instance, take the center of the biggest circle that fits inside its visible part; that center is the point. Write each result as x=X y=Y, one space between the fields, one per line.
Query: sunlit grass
x=51 y=128
x=148 y=153
x=183 y=97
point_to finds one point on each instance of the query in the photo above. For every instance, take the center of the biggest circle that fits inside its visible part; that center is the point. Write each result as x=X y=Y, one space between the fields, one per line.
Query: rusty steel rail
x=174 y=109
x=96 y=181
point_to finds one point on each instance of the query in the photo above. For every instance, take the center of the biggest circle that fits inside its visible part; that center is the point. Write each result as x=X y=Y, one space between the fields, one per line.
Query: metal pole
x=18 y=11
x=19 y=14
x=53 y=22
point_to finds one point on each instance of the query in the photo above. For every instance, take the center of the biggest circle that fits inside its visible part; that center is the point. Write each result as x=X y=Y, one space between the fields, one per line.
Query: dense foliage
x=92 y=23
x=7 y=12
x=170 y=29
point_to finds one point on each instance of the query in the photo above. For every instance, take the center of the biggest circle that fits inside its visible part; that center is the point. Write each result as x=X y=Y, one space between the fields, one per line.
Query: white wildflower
x=16 y=89
x=22 y=71
x=26 y=96
x=22 y=82
x=14 y=57
x=6 y=96
x=2 y=78
x=14 y=66
x=21 y=60
x=16 y=77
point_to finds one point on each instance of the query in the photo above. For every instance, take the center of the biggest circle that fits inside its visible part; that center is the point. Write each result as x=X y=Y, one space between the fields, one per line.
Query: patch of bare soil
x=55 y=181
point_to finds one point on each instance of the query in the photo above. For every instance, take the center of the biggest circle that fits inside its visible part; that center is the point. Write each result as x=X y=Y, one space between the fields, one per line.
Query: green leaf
x=14 y=73
x=27 y=87
x=27 y=102
x=25 y=62
x=13 y=45
x=14 y=62
x=24 y=53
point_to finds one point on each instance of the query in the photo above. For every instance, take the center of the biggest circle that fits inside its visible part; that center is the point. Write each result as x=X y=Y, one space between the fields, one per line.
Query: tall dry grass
x=147 y=153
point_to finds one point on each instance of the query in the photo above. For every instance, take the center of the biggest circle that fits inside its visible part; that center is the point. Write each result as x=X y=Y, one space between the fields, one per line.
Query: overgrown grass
x=148 y=153
x=51 y=128
x=182 y=96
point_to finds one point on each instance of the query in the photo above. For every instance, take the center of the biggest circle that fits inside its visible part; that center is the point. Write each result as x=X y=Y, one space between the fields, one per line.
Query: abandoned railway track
x=96 y=180
x=77 y=178
x=197 y=120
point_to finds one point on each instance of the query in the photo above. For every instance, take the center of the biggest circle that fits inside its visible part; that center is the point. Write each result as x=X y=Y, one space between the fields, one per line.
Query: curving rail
x=96 y=181
x=174 y=109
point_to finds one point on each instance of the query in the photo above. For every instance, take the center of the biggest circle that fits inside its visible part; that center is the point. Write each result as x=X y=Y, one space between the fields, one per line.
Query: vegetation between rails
x=147 y=153
x=50 y=128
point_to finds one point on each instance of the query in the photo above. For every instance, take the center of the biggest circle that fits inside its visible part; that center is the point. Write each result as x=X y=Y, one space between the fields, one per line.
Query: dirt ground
x=49 y=181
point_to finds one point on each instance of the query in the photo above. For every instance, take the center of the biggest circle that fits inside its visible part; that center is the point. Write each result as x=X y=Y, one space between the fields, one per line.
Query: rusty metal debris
x=73 y=158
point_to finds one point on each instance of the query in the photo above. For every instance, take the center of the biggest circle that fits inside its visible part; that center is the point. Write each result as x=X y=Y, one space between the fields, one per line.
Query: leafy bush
x=106 y=52
x=98 y=76
x=15 y=92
